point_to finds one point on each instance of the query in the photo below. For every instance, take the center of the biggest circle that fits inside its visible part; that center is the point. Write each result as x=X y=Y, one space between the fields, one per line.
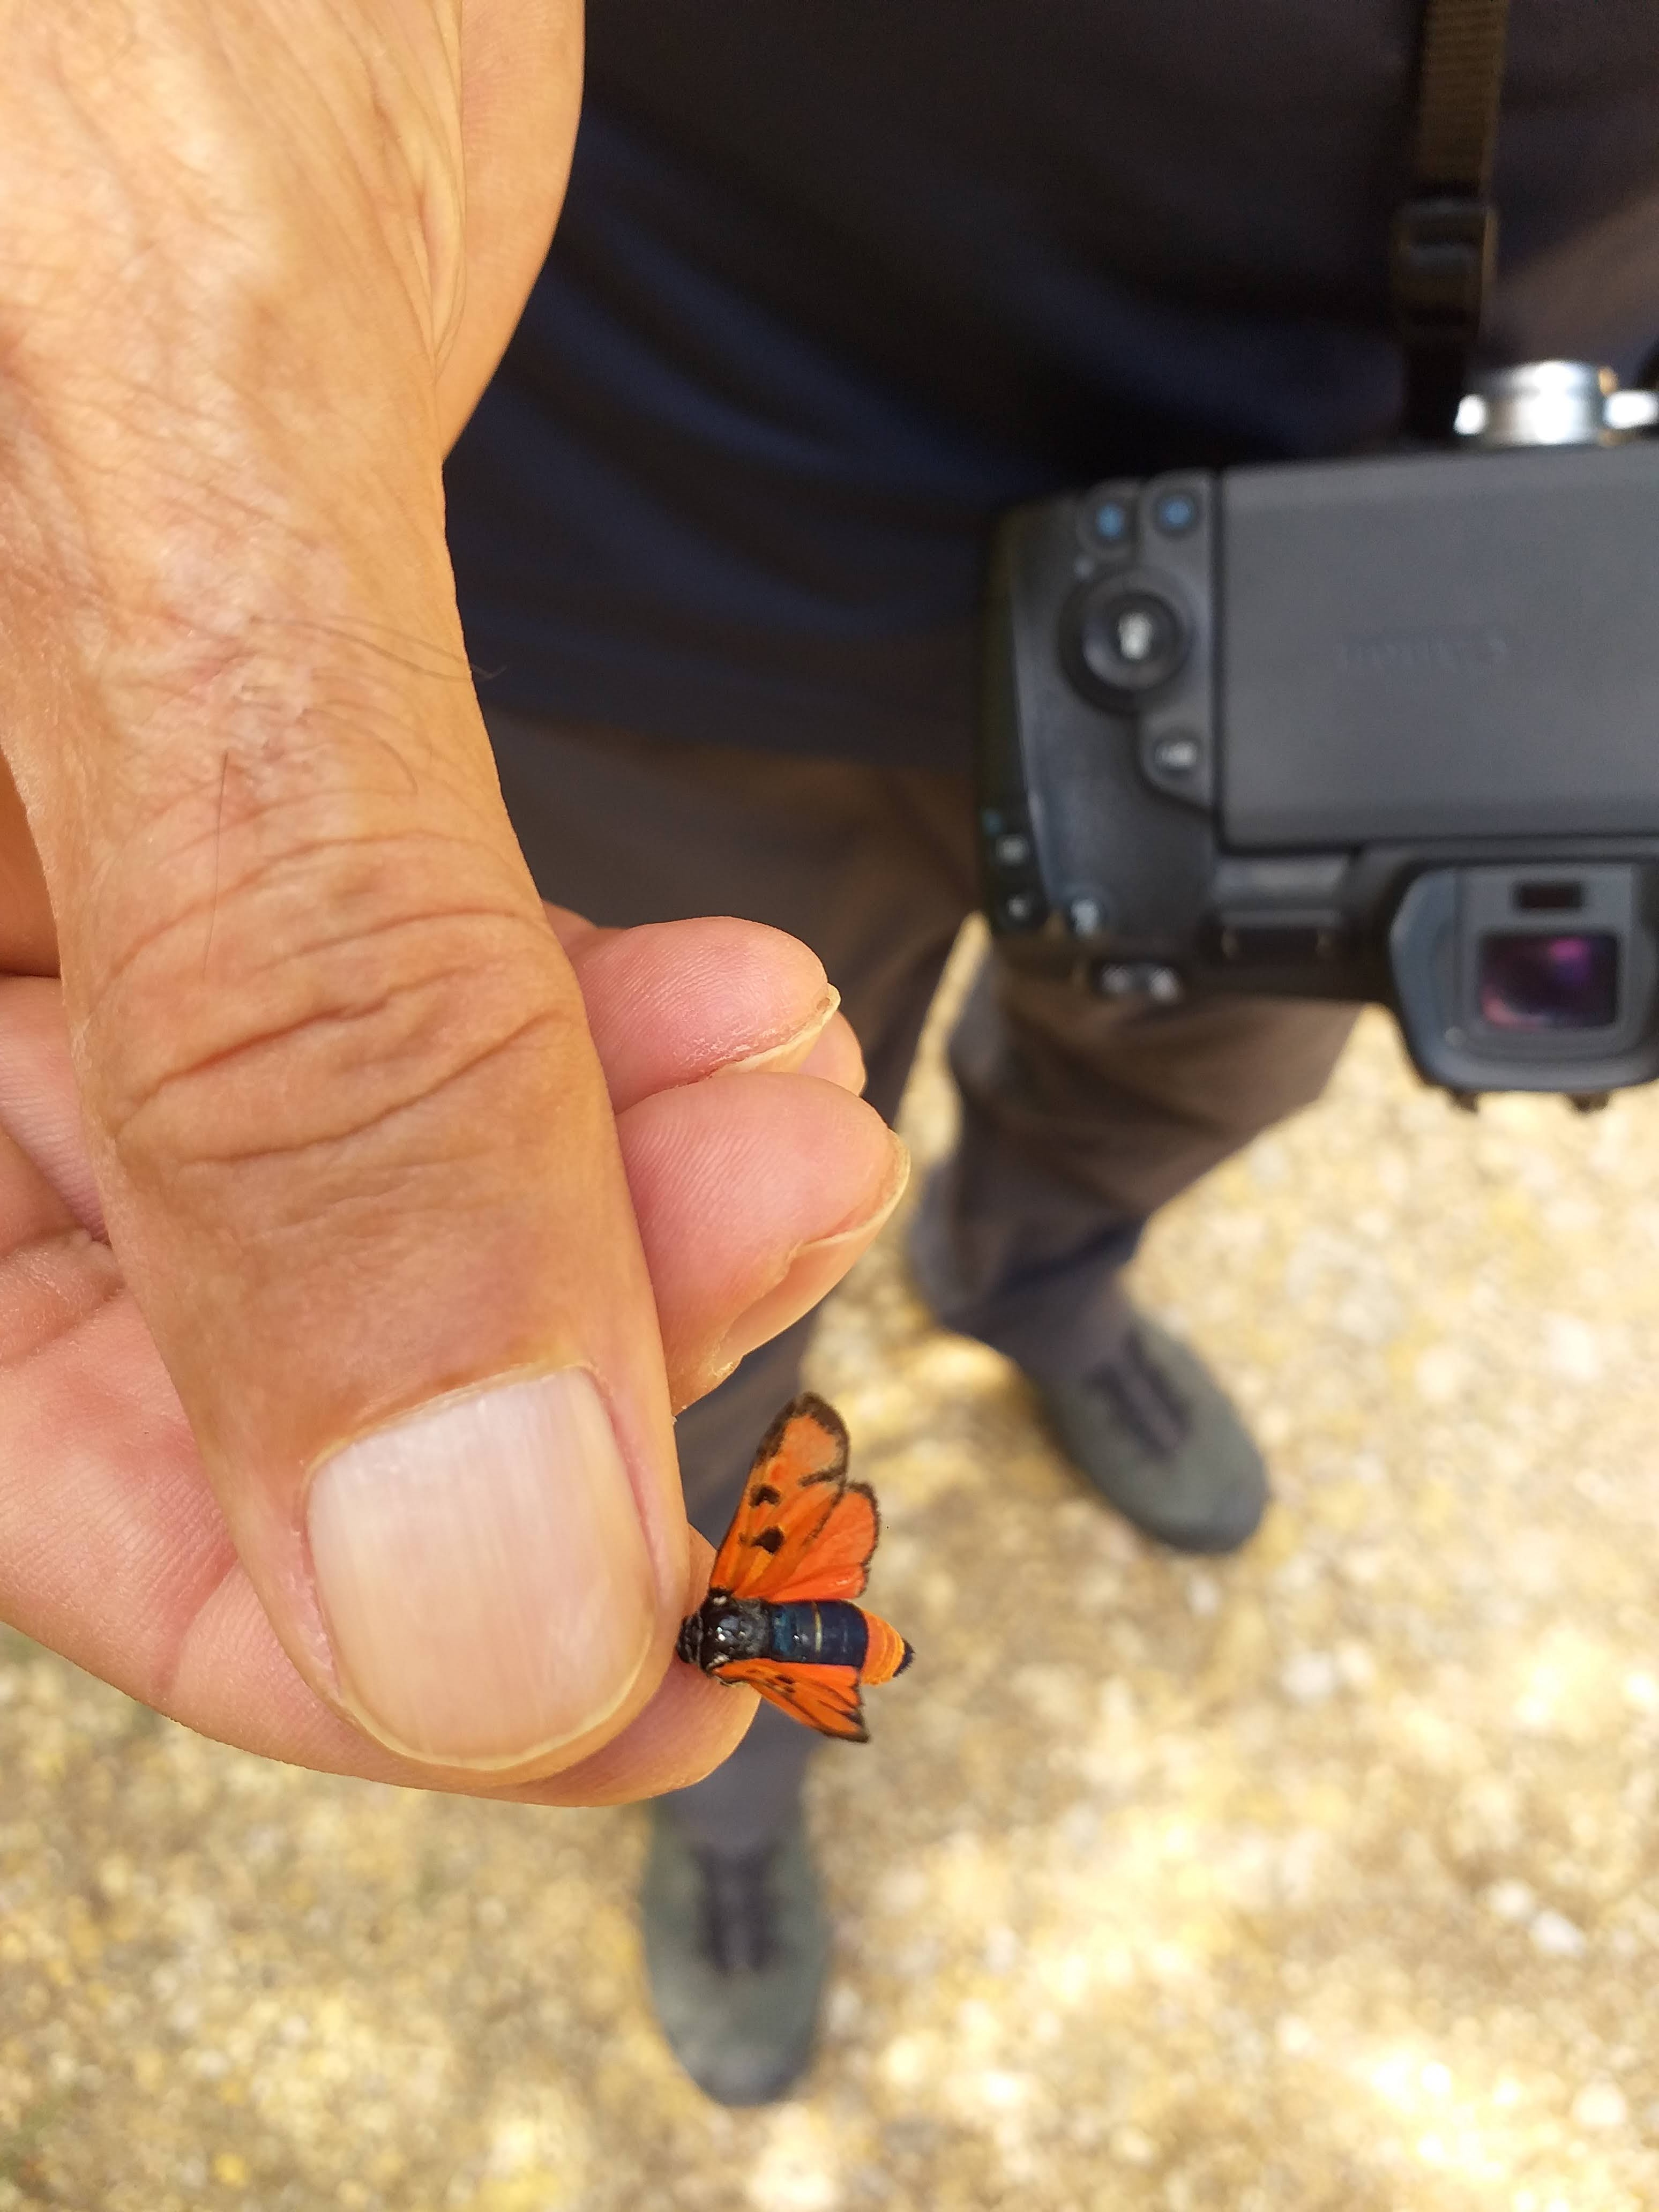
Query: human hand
x=346 y=1133
x=113 y=1547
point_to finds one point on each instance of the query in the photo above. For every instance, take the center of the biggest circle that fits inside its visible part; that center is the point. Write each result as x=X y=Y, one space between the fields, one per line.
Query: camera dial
x=1128 y=635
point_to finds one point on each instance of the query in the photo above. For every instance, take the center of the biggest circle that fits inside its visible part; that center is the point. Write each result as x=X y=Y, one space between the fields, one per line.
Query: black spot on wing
x=763 y=1494
x=769 y=1540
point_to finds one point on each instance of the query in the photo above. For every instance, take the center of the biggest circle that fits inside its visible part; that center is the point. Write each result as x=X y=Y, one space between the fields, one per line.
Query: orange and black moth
x=780 y=1614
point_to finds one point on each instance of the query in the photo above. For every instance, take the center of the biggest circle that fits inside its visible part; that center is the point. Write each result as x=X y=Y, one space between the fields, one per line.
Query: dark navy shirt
x=837 y=280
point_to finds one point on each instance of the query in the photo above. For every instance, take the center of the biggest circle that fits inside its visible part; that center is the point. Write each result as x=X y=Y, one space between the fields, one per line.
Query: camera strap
x=1445 y=231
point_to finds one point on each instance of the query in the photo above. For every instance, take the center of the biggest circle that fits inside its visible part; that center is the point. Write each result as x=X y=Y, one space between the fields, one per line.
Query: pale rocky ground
x=1320 y=1880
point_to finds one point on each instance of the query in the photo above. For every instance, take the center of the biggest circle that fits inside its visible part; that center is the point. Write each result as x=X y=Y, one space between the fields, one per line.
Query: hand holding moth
x=779 y=1615
x=335 y=1276
x=111 y=1547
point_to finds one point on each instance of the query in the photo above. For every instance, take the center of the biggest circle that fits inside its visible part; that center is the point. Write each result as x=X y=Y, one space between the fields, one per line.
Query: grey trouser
x=1078 y=1117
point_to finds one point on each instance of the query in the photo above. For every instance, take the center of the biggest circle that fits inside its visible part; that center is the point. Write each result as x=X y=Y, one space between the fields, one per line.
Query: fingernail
x=779 y=1058
x=483 y=1573
x=811 y=1273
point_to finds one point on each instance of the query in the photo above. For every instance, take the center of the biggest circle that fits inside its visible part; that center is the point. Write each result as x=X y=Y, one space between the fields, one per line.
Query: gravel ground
x=1323 y=1877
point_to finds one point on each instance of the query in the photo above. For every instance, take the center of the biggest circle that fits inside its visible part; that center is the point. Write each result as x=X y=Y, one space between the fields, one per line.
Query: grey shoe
x=1155 y=1433
x=736 y=1951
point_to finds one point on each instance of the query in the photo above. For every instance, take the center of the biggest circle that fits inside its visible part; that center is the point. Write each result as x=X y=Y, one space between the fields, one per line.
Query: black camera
x=1381 y=728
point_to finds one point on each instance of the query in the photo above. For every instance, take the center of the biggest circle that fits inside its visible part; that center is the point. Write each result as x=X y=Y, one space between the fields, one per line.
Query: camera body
x=1382 y=728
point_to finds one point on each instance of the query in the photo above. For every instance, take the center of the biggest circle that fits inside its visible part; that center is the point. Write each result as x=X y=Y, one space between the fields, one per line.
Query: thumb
x=359 y=1169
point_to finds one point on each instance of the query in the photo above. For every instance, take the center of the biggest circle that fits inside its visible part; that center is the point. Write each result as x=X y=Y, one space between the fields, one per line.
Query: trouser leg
x=1080 y=1117
x=874 y=871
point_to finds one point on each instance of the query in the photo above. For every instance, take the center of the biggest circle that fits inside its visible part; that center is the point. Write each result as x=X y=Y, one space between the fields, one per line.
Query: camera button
x=1106 y=522
x=1139 y=979
x=1021 y=910
x=1177 y=761
x=1179 y=753
x=1011 y=850
x=1131 y=637
x=1176 y=513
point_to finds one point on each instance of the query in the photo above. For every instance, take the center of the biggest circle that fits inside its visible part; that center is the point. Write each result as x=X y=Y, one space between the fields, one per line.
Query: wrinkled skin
x=310 y=1112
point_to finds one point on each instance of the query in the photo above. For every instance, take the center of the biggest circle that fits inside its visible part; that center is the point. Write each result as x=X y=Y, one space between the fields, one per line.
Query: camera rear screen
x=1531 y=982
x=1440 y=646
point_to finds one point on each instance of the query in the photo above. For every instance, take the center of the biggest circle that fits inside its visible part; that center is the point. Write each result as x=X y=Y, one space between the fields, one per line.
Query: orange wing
x=836 y=1563
x=802 y=1530
x=823 y=1697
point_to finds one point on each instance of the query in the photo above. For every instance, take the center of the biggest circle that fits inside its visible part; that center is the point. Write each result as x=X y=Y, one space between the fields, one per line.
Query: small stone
x=1203 y=1595
x=1002 y=1950
x=1442 y=1374
x=1131 y=2148
x=114 y=1879
x=1000 y=2091
x=1309 y=1678
x=1356 y=1666
x=1600 y=2105
x=1572 y=1348
x=1364 y=1566
x=1511 y=1900
x=1557 y=1937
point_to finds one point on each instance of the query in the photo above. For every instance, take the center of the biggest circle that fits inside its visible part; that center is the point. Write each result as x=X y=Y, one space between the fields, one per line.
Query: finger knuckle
x=358 y=1008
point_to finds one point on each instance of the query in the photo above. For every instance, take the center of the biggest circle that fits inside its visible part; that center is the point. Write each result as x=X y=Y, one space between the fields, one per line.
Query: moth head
x=739 y=1633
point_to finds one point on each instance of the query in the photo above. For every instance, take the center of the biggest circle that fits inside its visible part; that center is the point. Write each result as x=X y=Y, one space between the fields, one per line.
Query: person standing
x=834 y=286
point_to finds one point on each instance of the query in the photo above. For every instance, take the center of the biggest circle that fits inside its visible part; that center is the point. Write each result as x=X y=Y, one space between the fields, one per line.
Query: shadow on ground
x=1321 y=1878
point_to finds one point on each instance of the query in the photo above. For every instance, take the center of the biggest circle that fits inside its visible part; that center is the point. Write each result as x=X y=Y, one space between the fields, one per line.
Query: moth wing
x=886 y=1654
x=823 y=1697
x=799 y=1475
x=837 y=1562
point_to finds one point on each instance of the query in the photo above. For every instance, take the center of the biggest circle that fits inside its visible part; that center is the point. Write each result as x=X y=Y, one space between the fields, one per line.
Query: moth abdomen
x=818 y=1632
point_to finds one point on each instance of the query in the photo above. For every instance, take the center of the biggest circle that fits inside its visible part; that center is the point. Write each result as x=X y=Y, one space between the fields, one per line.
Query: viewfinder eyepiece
x=1531 y=982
